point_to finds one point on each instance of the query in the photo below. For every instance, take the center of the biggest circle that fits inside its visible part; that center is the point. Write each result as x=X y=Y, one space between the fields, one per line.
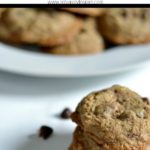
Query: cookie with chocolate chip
x=2 y=10
x=78 y=140
x=38 y=26
x=82 y=141
x=116 y=118
x=126 y=25
x=87 y=41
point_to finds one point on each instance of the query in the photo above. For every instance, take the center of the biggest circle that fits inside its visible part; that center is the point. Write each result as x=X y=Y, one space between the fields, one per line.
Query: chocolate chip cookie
x=78 y=140
x=38 y=26
x=87 y=41
x=116 y=118
x=126 y=25
x=82 y=141
x=2 y=10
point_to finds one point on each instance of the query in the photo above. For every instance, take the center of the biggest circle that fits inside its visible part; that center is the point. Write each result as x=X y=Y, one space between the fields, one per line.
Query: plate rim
x=105 y=72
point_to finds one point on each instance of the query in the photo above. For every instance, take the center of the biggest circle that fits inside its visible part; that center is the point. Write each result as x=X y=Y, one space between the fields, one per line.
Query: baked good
x=82 y=141
x=126 y=25
x=115 y=118
x=14 y=22
x=38 y=26
x=87 y=41
x=86 y=11
x=2 y=10
x=78 y=140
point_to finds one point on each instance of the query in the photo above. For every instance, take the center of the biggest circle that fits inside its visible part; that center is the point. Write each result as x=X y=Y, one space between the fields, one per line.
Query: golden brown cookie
x=14 y=22
x=87 y=41
x=86 y=11
x=41 y=27
x=2 y=10
x=115 y=118
x=78 y=140
x=82 y=141
x=126 y=25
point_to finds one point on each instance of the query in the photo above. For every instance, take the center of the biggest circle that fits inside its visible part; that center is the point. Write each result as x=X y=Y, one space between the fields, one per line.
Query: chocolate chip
x=83 y=31
x=65 y=113
x=133 y=135
x=146 y=100
x=45 y=132
x=143 y=14
x=115 y=91
x=122 y=116
x=124 y=13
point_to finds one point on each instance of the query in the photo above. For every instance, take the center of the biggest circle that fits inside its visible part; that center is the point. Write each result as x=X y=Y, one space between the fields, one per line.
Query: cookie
x=126 y=25
x=2 y=10
x=41 y=27
x=87 y=41
x=86 y=11
x=81 y=141
x=14 y=22
x=115 y=118
x=78 y=140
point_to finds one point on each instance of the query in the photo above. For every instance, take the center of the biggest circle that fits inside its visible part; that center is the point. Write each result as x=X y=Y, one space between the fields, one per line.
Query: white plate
x=111 y=61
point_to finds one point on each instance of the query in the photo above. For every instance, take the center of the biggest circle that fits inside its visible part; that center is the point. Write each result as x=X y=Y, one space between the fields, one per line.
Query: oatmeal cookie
x=34 y=26
x=2 y=10
x=78 y=140
x=82 y=141
x=87 y=41
x=126 y=25
x=116 y=118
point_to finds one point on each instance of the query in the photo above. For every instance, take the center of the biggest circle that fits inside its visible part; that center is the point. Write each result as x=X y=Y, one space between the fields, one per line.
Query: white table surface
x=26 y=103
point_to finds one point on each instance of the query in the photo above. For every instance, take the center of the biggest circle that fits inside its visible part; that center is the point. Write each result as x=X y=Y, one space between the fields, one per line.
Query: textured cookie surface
x=87 y=41
x=86 y=11
x=126 y=25
x=14 y=22
x=42 y=27
x=82 y=141
x=117 y=118
x=78 y=140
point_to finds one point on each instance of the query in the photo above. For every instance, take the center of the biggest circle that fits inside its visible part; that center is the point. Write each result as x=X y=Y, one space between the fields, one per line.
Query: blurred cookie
x=14 y=22
x=87 y=41
x=126 y=25
x=34 y=26
x=2 y=10
x=86 y=11
x=115 y=118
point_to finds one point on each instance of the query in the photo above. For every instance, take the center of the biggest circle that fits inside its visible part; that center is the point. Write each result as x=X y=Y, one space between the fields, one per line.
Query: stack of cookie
x=74 y=31
x=112 y=119
x=57 y=31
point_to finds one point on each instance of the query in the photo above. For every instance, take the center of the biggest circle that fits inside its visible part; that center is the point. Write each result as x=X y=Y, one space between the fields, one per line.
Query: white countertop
x=26 y=103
